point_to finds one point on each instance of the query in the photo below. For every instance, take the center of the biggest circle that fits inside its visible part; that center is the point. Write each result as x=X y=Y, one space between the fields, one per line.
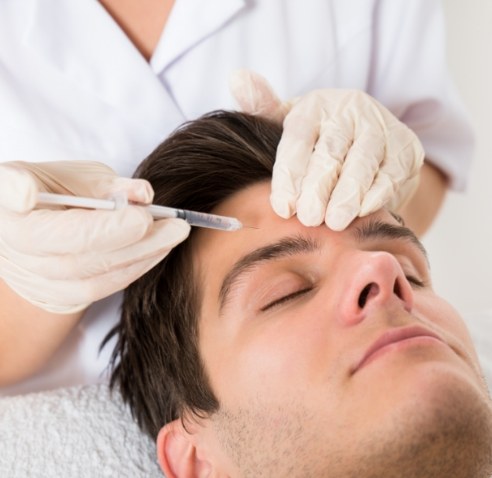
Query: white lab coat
x=72 y=86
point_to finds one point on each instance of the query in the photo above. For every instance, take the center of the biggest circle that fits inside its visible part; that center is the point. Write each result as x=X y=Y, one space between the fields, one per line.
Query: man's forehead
x=252 y=207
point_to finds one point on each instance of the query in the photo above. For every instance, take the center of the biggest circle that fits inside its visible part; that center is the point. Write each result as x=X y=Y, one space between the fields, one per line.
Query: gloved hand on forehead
x=61 y=259
x=342 y=154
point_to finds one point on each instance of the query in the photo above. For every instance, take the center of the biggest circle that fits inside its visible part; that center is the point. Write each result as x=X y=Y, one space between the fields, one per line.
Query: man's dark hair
x=156 y=364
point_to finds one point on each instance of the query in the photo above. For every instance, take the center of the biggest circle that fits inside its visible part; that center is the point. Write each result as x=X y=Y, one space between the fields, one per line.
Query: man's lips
x=393 y=336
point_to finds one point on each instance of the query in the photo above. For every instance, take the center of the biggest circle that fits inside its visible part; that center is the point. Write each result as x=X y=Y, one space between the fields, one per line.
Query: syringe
x=194 y=218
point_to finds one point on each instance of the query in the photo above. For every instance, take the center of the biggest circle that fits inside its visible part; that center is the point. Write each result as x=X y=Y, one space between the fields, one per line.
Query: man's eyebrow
x=376 y=229
x=287 y=246
x=293 y=245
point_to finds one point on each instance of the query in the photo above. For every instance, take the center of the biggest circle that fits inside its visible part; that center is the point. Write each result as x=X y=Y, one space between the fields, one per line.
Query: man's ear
x=177 y=453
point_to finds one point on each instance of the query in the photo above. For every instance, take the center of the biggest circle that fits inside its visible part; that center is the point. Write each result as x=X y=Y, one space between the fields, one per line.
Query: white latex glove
x=342 y=154
x=62 y=260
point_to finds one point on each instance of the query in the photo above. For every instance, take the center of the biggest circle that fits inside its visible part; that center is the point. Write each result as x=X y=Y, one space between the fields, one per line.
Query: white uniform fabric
x=73 y=86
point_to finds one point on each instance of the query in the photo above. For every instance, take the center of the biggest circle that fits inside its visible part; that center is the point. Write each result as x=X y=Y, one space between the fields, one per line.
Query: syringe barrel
x=212 y=221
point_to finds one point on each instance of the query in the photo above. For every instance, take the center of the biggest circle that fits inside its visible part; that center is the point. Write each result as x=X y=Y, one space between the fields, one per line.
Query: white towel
x=73 y=432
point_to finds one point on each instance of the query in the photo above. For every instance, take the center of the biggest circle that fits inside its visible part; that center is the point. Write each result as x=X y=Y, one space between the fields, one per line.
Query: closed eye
x=285 y=298
x=415 y=281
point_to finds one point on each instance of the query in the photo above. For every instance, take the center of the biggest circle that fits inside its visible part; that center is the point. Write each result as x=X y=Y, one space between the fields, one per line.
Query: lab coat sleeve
x=410 y=76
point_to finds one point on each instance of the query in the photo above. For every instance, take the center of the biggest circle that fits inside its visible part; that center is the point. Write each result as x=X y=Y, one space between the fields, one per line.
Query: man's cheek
x=267 y=366
x=433 y=309
x=436 y=311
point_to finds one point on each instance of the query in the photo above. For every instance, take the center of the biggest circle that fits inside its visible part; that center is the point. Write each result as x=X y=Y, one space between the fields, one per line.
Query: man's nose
x=374 y=280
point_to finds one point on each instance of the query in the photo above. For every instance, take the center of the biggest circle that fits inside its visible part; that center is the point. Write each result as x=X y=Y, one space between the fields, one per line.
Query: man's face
x=329 y=352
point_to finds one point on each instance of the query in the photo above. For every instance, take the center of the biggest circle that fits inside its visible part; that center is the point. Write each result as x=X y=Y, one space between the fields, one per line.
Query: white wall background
x=460 y=241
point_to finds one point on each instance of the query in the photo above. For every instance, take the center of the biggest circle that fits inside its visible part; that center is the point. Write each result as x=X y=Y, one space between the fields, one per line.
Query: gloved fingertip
x=241 y=86
x=310 y=216
x=136 y=190
x=143 y=191
x=369 y=207
x=339 y=220
x=181 y=225
x=174 y=230
x=365 y=210
x=133 y=220
x=238 y=76
x=18 y=192
x=255 y=95
x=373 y=201
x=309 y=222
x=281 y=207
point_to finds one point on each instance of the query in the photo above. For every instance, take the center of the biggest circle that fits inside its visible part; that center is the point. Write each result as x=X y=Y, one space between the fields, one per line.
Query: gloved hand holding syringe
x=120 y=200
x=63 y=259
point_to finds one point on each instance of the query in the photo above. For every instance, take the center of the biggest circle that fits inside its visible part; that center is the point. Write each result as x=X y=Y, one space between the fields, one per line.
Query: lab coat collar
x=190 y=22
x=67 y=34
x=84 y=45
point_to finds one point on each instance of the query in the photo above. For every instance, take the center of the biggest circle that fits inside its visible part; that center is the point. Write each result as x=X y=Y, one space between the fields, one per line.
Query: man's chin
x=442 y=428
